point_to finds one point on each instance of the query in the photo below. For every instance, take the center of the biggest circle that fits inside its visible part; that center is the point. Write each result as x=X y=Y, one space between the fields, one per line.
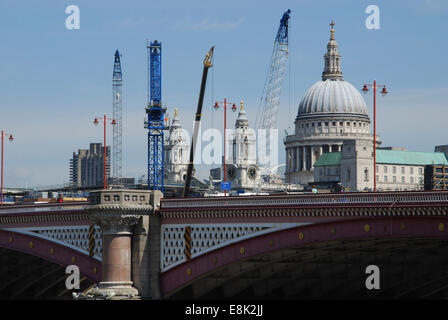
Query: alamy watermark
x=72 y=281
x=260 y=145
x=72 y=22
x=373 y=280
x=373 y=20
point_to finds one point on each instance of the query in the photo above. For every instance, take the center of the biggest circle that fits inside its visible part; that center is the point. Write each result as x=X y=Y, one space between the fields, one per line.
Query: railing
x=318 y=199
x=44 y=207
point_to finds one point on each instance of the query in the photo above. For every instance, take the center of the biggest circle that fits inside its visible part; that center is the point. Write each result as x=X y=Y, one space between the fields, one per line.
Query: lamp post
x=216 y=106
x=113 y=122
x=365 y=89
x=10 y=140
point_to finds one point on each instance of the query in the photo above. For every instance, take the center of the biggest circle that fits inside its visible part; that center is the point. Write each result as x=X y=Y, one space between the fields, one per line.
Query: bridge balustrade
x=322 y=199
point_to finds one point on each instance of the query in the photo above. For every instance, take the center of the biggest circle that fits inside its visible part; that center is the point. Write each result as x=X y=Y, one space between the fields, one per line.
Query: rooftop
x=389 y=157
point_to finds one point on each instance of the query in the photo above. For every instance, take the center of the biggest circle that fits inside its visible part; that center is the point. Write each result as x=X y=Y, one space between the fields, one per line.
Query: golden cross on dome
x=332 y=24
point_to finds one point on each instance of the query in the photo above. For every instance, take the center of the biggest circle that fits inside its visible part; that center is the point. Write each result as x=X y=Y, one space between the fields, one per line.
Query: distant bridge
x=278 y=246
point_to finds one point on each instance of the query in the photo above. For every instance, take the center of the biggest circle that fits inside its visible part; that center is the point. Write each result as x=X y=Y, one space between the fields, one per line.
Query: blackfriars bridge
x=135 y=244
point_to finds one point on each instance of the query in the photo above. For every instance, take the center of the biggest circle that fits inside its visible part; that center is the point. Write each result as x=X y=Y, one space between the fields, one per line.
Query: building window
x=402 y=170
x=341 y=123
x=354 y=124
x=377 y=168
x=394 y=169
x=319 y=124
x=333 y=124
x=307 y=125
x=312 y=124
x=420 y=171
x=385 y=178
x=412 y=179
x=411 y=170
x=348 y=124
x=366 y=174
x=326 y=124
x=403 y=180
x=394 y=179
x=385 y=169
x=377 y=178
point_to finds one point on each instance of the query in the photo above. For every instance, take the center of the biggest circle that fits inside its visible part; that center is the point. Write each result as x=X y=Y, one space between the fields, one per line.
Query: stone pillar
x=118 y=212
x=304 y=168
x=296 y=159
x=313 y=156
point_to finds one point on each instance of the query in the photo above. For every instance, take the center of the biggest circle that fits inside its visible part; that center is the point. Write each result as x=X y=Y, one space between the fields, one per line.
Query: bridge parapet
x=329 y=199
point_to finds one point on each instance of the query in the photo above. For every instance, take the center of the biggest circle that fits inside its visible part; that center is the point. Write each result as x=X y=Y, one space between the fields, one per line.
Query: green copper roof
x=329 y=159
x=389 y=157
x=410 y=158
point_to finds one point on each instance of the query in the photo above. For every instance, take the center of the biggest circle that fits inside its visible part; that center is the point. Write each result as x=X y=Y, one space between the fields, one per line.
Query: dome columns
x=302 y=158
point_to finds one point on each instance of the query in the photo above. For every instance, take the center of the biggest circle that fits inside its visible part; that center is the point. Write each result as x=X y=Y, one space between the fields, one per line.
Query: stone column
x=297 y=164
x=118 y=212
x=304 y=159
x=313 y=156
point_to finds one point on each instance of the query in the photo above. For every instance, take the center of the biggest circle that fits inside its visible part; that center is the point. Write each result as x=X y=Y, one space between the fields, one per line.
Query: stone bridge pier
x=130 y=226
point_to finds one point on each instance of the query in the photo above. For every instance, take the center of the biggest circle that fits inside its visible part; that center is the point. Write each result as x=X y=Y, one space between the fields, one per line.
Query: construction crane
x=207 y=65
x=117 y=153
x=156 y=113
x=270 y=100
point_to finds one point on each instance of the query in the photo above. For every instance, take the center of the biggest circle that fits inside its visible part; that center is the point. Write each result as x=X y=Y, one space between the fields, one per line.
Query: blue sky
x=54 y=81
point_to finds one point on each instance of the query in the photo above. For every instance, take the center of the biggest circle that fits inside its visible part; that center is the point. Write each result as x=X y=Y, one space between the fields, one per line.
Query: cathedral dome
x=332 y=96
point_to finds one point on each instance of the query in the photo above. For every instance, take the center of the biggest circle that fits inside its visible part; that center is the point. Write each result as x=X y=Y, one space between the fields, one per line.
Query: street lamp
x=365 y=89
x=10 y=138
x=216 y=106
x=96 y=122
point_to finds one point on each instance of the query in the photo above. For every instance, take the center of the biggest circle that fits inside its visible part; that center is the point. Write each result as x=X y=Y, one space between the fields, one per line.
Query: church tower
x=176 y=153
x=243 y=171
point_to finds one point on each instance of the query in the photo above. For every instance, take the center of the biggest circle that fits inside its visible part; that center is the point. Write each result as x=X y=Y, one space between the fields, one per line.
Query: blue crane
x=155 y=122
x=270 y=100
x=117 y=115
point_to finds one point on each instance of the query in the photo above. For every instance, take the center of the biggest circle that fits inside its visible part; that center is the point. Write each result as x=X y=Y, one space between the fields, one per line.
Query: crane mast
x=270 y=100
x=117 y=115
x=197 y=120
x=155 y=122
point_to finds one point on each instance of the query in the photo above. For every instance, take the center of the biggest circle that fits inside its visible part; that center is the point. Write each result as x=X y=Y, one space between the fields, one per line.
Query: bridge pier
x=124 y=217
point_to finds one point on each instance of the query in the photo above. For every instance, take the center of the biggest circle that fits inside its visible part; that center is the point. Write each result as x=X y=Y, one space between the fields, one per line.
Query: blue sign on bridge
x=225 y=186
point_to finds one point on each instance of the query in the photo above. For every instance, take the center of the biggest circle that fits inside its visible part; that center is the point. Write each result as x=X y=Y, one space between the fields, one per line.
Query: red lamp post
x=216 y=106
x=365 y=89
x=113 y=122
x=1 y=188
